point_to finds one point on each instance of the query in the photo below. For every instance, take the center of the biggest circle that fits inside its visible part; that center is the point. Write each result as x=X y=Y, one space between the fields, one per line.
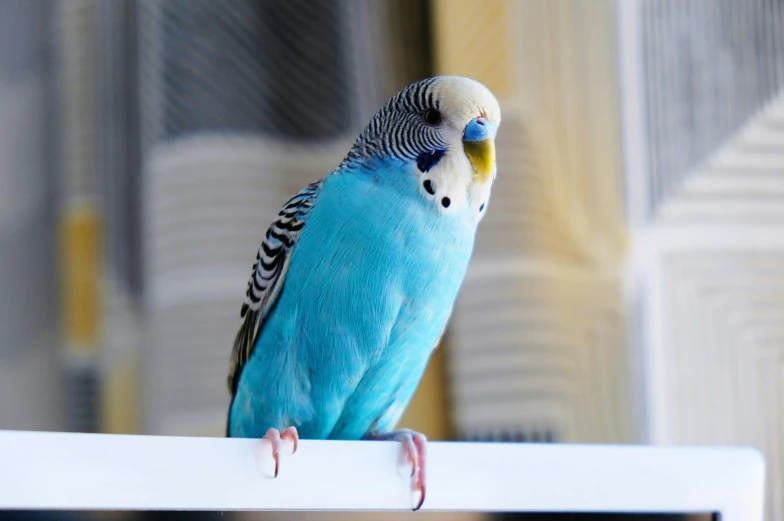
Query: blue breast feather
x=370 y=287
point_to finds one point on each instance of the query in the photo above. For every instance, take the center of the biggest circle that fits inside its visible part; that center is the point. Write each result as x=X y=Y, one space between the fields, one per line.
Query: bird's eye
x=432 y=117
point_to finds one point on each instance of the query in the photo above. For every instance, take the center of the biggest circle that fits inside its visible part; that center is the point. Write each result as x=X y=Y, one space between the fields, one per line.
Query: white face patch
x=480 y=199
x=449 y=187
x=446 y=184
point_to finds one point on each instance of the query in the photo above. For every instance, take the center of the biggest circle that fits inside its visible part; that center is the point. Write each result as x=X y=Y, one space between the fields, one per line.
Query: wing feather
x=268 y=276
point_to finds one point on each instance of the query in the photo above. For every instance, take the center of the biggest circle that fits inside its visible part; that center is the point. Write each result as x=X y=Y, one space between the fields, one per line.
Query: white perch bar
x=40 y=470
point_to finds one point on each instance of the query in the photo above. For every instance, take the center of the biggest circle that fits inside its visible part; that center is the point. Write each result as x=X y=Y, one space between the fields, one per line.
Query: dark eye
x=432 y=117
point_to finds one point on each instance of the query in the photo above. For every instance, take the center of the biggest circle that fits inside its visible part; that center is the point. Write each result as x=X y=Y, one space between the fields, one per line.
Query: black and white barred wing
x=268 y=276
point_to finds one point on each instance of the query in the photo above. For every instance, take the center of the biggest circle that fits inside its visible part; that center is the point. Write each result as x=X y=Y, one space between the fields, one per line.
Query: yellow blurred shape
x=120 y=414
x=80 y=241
x=473 y=39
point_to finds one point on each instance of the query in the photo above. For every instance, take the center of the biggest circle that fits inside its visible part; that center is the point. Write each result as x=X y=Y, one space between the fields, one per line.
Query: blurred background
x=627 y=284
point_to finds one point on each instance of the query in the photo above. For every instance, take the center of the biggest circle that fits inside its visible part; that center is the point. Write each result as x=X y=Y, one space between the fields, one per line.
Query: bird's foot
x=412 y=456
x=273 y=444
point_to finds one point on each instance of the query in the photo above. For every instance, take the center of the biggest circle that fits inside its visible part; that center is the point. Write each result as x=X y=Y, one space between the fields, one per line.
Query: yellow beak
x=479 y=146
x=482 y=157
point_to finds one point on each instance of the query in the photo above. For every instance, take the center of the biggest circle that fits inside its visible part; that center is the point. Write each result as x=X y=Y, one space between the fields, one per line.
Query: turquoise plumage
x=355 y=281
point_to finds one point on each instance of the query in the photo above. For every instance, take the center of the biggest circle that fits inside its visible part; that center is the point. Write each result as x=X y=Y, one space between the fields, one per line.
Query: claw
x=291 y=435
x=275 y=438
x=418 y=484
x=413 y=453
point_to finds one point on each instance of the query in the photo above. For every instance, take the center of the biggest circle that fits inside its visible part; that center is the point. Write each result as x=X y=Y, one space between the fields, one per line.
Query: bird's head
x=444 y=128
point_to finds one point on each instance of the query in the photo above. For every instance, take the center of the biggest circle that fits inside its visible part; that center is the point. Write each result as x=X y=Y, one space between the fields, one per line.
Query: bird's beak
x=479 y=146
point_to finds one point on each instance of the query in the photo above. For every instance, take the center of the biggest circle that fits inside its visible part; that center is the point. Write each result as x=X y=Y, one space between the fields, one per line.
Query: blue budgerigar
x=355 y=281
